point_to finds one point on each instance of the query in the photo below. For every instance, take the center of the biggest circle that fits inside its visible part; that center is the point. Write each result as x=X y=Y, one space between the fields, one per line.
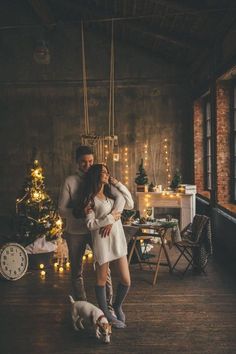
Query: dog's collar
x=99 y=318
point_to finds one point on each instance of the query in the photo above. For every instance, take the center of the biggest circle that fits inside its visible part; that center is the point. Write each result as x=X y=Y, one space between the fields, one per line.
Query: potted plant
x=176 y=180
x=141 y=180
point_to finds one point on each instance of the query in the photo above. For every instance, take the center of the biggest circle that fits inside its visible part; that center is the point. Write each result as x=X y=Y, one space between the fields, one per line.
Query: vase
x=142 y=188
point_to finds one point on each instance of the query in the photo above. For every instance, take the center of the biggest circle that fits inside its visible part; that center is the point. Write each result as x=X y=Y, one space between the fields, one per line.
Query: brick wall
x=223 y=141
x=198 y=145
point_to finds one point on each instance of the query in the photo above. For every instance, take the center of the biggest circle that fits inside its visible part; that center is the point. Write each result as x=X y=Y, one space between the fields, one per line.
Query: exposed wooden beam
x=176 y=5
x=158 y=34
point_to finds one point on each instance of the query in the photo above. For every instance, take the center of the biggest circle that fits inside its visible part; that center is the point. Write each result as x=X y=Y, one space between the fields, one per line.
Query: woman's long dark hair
x=90 y=188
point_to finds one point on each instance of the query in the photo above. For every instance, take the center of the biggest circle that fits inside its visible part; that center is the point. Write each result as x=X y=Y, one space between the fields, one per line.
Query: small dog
x=89 y=313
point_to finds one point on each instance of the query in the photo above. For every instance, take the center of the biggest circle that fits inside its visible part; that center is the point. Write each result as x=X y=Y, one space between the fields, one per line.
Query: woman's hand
x=105 y=231
x=87 y=209
x=114 y=181
x=116 y=214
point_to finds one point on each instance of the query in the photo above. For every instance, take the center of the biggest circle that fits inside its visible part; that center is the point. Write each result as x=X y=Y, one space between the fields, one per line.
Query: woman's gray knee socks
x=122 y=291
x=102 y=303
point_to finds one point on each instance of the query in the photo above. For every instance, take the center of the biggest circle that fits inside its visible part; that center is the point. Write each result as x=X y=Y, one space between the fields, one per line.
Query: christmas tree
x=141 y=178
x=36 y=215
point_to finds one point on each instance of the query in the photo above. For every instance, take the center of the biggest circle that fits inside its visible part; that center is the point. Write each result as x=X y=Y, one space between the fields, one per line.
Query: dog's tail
x=71 y=299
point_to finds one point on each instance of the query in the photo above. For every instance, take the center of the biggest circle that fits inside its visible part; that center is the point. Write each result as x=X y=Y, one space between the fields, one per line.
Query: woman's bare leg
x=101 y=274
x=122 y=269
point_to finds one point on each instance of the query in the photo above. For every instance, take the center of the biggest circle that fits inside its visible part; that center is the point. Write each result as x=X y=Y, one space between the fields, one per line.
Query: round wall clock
x=13 y=261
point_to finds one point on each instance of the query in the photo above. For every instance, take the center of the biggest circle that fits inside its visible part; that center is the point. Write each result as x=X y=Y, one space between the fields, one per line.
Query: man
x=76 y=232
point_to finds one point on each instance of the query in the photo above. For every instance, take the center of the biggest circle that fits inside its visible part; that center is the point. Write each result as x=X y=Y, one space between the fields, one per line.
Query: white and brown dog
x=83 y=311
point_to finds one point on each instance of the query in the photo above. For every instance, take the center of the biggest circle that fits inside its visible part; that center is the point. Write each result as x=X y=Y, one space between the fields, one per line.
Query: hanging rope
x=99 y=142
x=111 y=114
x=86 y=115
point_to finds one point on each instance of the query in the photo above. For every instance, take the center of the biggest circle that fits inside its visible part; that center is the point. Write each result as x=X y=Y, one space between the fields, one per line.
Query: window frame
x=233 y=143
x=207 y=140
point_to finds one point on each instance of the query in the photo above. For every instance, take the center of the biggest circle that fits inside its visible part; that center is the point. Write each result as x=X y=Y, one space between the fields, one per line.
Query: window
x=207 y=139
x=233 y=146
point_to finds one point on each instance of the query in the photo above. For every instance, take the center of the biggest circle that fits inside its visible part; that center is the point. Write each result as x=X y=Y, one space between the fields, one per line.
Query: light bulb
x=41 y=266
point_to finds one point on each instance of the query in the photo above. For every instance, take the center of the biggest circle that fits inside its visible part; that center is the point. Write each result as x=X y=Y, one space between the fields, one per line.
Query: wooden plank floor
x=196 y=314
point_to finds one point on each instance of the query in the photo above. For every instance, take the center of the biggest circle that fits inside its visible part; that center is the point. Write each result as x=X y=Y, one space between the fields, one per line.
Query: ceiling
x=183 y=32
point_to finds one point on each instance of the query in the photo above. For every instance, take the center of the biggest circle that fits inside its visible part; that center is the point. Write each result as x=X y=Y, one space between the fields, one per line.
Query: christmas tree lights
x=36 y=215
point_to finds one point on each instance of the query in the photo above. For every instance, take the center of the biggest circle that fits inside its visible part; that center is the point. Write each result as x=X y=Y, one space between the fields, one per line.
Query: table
x=149 y=231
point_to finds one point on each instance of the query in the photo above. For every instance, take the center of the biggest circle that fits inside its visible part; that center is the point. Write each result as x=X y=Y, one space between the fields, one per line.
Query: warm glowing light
x=145 y=146
x=126 y=159
x=126 y=149
x=42 y=273
x=145 y=158
x=56 y=264
x=61 y=269
x=41 y=266
x=67 y=264
x=84 y=258
x=90 y=255
x=106 y=146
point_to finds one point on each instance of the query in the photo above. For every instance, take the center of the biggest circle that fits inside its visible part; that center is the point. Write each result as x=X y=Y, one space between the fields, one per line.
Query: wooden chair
x=145 y=234
x=196 y=244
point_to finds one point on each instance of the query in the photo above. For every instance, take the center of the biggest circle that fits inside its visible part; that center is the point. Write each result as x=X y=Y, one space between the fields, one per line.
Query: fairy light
x=167 y=160
x=126 y=165
x=106 y=152
x=90 y=255
x=145 y=155
x=41 y=266
x=61 y=269
x=42 y=274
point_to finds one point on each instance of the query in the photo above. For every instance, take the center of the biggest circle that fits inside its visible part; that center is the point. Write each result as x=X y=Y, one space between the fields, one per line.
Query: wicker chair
x=196 y=244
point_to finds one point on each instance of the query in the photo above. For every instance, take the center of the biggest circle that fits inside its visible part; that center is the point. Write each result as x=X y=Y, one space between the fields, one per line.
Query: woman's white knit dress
x=114 y=246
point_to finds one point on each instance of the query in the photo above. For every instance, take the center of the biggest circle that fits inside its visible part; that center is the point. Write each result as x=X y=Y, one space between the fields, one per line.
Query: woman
x=98 y=203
